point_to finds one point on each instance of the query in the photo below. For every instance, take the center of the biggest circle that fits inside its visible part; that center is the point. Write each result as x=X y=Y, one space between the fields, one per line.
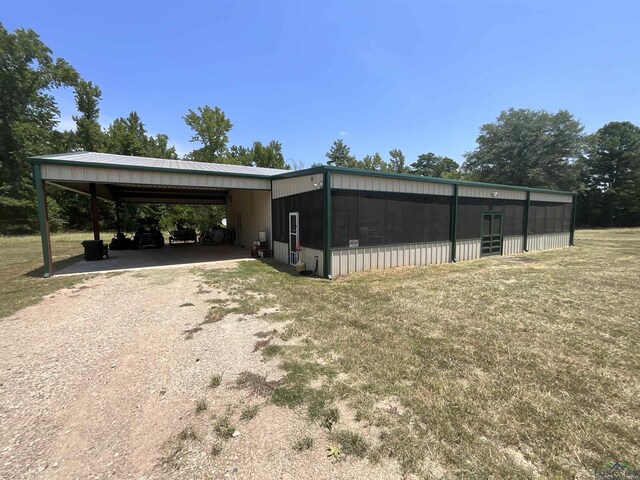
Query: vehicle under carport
x=244 y=191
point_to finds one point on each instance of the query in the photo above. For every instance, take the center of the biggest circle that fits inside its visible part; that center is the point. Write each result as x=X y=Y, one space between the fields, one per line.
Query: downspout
x=525 y=223
x=454 y=223
x=574 y=201
x=327 y=224
x=43 y=220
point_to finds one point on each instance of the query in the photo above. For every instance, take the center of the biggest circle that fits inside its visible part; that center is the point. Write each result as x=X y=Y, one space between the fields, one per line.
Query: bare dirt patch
x=95 y=379
x=99 y=382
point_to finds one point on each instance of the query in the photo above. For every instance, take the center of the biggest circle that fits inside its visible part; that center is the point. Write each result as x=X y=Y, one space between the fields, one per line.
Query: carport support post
x=118 y=216
x=43 y=219
x=94 y=211
x=327 y=223
x=525 y=223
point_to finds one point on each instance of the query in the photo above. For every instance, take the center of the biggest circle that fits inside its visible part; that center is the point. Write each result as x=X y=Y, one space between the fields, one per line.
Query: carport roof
x=92 y=159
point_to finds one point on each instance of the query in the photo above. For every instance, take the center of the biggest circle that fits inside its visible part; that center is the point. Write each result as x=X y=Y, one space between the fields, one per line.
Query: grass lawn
x=488 y=369
x=21 y=268
x=485 y=369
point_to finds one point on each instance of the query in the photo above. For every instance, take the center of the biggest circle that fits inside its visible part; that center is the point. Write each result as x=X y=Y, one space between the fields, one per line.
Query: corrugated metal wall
x=281 y=253
x=512 y=244
x=483 y=192
x=351 y=260
x=143 y=177
x=308 y=257
x=468 y=249
x=380 y=184
x=550 y=197
x=295 y=185
x=254 y=207
x=547 y=241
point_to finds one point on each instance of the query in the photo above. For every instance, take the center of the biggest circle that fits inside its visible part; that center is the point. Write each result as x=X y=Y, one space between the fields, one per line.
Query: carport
x=245 y=191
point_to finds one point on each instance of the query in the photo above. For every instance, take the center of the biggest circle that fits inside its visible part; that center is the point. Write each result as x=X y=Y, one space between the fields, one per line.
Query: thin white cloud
x=66 y=123
x=343 y=133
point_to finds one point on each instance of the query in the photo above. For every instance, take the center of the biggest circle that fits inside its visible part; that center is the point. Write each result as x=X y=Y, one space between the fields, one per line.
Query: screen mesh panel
x=383 y=218
x=310 y=206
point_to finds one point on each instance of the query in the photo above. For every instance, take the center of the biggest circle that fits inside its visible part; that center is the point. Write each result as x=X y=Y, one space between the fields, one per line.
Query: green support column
x=43 y=219
x=454 y=224
x=327 y=223
x=525 y=223
x=573 y=219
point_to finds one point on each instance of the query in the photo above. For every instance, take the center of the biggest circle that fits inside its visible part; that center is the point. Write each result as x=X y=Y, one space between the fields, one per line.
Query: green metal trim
x=572 y=230
x=454 y=224
x=482 y=232
x=525 y=223
x=42 y=220
x=300 y=173
x=54 y=161
x=327 y=223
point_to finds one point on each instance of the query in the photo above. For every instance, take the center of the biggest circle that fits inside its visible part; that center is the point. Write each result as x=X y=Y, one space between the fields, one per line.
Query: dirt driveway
x=96 y=380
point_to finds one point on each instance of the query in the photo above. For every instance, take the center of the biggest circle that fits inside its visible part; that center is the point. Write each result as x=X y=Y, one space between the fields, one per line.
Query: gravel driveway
x=95 y=380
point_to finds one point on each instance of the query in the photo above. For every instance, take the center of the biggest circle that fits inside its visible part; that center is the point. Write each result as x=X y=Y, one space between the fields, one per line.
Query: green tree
x=88 y=131
x=239 y=155
x=532 y=148
x=432 y=165
x=127 y=136
x=374 y=162
x=339 y=155
x=610 y=174
x=28 y=116
x=211 y=128
x=158 y=147
x=269 y=156
x=397 y=161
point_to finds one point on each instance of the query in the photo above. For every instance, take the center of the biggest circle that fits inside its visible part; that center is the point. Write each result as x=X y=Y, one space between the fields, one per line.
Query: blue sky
x=420 y=76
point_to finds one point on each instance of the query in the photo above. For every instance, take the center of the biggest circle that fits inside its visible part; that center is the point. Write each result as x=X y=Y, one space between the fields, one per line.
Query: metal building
x=350 y=220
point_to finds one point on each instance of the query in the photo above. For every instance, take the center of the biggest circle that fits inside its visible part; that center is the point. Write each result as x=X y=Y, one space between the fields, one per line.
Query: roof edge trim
x=419 y=178
x=54 y=161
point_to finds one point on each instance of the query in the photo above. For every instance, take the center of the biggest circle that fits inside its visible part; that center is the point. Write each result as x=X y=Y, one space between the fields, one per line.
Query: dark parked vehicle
x=183 y=233
x=121 y=242
x=217 y=236
x=148 y=234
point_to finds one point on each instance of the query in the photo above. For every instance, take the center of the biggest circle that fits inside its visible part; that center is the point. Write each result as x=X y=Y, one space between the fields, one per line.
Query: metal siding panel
x=295 y=185
x=344 y=263
x=550 y=197
x=483 y=192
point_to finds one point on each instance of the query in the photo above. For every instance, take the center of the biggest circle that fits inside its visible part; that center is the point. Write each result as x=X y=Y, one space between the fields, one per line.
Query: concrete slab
x=177 y=255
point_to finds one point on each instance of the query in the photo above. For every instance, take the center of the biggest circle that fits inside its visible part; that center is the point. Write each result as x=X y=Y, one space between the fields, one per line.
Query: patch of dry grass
x=502 y=369
x=21 y=268
x=256 y=384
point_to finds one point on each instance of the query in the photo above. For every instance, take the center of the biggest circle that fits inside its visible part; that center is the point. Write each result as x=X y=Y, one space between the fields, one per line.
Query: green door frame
x=327 y=224
x=491 y=234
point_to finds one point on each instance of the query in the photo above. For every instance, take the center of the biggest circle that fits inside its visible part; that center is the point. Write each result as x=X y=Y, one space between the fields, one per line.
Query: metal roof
x=108 y=160
x=145 y=163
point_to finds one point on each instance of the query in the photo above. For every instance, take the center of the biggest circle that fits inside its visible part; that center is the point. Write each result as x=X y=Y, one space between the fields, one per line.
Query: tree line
x=521 y=147
x=29 y=116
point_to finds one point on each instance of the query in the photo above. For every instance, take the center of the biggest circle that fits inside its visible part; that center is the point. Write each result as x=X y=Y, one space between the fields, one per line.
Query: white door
x=293 y=237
